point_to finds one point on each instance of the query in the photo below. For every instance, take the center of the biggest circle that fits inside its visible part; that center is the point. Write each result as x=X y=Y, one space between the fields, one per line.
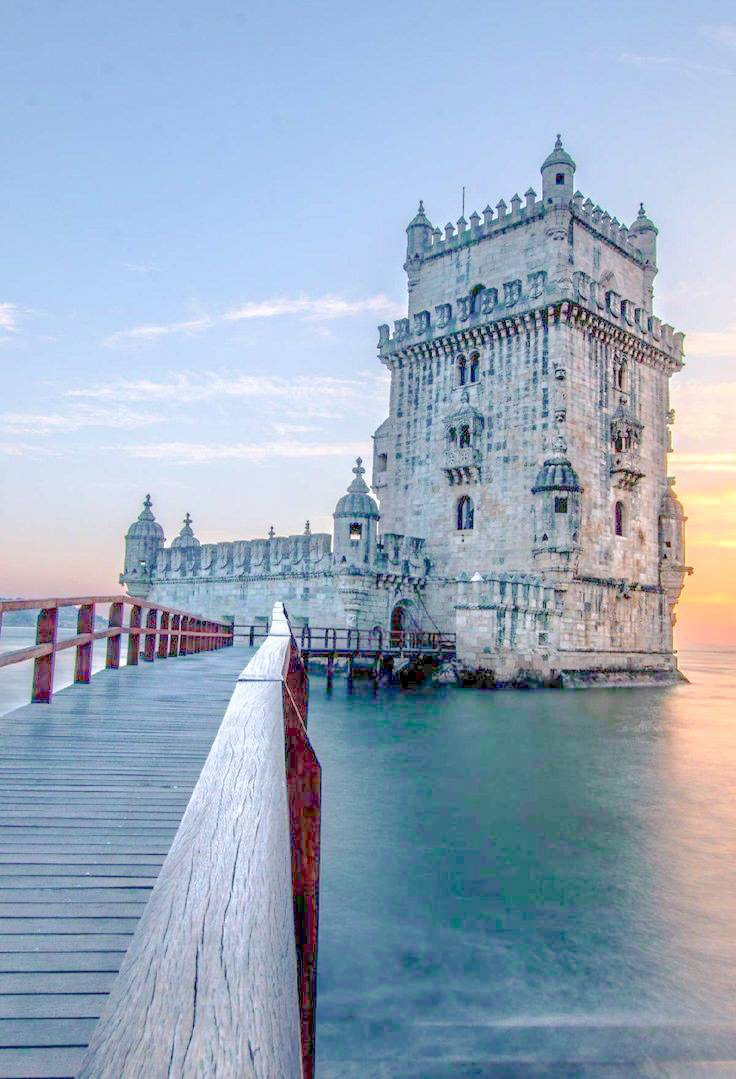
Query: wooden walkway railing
x=321 y=640
x=220 y=976
x=167 y=632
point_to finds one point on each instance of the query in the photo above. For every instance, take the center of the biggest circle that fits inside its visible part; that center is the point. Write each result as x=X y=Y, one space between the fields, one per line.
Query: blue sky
x=202 y=222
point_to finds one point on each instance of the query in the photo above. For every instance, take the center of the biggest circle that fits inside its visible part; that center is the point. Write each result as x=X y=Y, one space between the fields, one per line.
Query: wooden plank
x=211 y=973
x=58 y=1062
x=92 y=790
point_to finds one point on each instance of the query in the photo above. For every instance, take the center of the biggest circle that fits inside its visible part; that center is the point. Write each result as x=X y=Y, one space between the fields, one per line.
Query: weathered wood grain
x=92 y=788
x=209 y=983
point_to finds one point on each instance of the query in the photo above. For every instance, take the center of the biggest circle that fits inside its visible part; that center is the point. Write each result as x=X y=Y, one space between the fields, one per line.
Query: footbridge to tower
x=159 y=850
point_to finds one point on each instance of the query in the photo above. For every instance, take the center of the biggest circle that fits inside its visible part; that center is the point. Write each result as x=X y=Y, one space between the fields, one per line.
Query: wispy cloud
x=295 y=428
x=705 y=462
x=723 y=34
x=712 y=343
x=9 y=315
x=140 y=267
x=26 y=449
x=50 y=423
x=202 y=453
x=679 y=63
x=318 y=396
x=704 y=425
x=324 y=308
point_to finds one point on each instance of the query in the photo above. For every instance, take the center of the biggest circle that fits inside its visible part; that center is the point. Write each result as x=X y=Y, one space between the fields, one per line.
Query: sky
x=202 y=215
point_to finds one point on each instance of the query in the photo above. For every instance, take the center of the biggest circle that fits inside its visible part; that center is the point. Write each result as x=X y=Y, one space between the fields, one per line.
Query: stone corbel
x=628 y=310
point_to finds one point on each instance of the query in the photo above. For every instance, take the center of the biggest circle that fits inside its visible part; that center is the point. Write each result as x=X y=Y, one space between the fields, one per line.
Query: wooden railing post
x=163 y=636
x=43 y=667
x=83 y=659
x=134 y=643
x=230 y=929
x=114 y=621
x=149 y=648
x=175 y=639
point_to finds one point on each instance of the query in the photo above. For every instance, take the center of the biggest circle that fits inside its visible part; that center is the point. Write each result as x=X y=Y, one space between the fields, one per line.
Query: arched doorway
x=398 y=624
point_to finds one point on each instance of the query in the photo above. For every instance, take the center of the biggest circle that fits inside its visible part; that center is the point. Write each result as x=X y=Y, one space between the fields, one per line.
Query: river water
x=525 y=883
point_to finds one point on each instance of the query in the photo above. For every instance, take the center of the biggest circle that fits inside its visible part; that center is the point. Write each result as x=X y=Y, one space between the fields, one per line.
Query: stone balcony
x=462 y=464
x=626 y=469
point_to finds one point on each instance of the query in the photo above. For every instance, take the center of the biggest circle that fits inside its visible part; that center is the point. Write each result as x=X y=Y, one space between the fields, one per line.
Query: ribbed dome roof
x=642 y=223
x=559 y=156
x=146 y=527
x=671 y=506
x=556 y=474
x=357 y=502
x=186 y=537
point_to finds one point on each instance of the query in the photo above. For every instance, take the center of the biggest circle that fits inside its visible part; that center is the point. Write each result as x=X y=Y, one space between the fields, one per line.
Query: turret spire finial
x=146 y=514
x=307 y=529
x=147 y=502
x=187 y=519
x=271 y=532
x=421 y=206
x=558 y=142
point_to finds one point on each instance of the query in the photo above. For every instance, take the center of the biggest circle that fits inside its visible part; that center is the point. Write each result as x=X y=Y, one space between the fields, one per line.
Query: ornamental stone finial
x=271 y=532
x=187 y=519
x=307 y=529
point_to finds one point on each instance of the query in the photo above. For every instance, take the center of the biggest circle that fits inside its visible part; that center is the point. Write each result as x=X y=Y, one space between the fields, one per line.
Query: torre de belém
x=521 y=473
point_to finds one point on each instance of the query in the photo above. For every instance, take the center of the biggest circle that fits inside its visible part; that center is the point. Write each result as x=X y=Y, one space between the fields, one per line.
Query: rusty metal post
x=83 y=659
x=114 y=621
x=149 y=647
x=43 y=667
x=350 y=673
x=134 y=644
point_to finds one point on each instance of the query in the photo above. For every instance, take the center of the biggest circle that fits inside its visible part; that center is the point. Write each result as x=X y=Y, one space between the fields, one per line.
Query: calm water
x=514 y=878
x=521 y=883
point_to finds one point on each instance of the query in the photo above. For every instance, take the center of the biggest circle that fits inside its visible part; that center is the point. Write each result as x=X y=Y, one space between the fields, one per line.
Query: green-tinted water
x=512 y=880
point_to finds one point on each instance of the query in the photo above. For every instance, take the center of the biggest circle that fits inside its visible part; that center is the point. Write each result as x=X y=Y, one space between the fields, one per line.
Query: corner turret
x=143 y=541
x=186 y=537
x=643 y=235
x=557 y=513
x=418 y=234
x=356 y=517
x=558 y=172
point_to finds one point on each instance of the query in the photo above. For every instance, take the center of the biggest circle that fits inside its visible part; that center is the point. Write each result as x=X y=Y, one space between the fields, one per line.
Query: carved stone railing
x=220 y=976
x=462 y=463
x=626 y=468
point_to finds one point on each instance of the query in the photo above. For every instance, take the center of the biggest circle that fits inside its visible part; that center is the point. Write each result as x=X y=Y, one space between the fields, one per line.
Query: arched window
x=356 y=531
x=464 y=436
x=464 y=514
x=619 y=518
x=622 y=376
x=474 y=367
x=452 y=436
x=618 y=442
x=462 y=371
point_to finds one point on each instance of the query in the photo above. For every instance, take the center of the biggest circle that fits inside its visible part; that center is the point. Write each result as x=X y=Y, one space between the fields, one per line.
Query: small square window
x=560 y=505
x=560 y=178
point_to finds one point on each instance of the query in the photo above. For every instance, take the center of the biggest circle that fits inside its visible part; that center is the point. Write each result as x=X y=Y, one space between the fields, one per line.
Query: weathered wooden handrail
x=178 y=633
x=220 y=976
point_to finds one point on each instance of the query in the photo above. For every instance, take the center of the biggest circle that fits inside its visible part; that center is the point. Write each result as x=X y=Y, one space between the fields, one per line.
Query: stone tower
x=527 y=435
x=143 y=542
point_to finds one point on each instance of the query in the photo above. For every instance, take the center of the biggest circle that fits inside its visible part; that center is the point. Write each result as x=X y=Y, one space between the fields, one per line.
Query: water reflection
x=527 y=877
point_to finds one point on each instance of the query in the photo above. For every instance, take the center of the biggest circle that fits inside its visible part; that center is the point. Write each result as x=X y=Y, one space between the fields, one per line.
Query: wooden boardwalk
x=92 y=789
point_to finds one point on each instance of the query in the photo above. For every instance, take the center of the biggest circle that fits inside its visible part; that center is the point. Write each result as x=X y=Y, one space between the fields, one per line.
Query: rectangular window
x=560 y=505
x=356 y=532
x=560 y=178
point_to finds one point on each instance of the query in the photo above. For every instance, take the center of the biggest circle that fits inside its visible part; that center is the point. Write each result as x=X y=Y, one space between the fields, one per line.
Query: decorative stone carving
x=511 y=292
x=443 y=311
